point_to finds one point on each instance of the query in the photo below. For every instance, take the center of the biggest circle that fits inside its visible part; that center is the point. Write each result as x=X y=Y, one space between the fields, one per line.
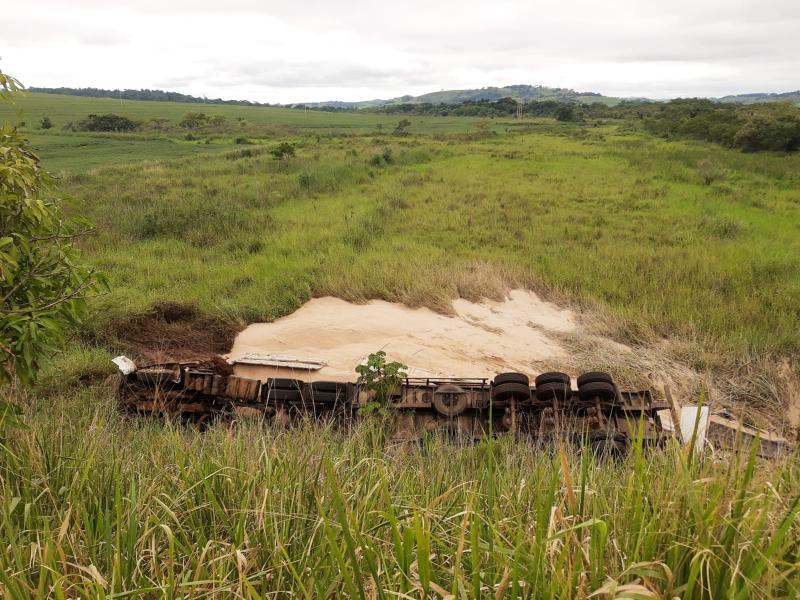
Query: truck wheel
x=274 y=395
x=284 y=384
x=506 y=391
x=327 y=386
x=597 y=389
x=594 y=376
x=450 y=400
x=323 y=397
x=512 y=378
x=552 y=391
x=552 y=377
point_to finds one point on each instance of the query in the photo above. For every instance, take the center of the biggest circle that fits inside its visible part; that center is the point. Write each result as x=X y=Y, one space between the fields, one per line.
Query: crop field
x=684 y=246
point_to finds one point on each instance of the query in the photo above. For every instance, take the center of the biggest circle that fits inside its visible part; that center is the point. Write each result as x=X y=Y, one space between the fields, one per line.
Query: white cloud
x=282 y=51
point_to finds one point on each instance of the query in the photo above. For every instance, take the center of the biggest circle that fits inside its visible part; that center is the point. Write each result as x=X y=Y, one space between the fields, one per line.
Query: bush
x=383 y=158
x=107 y=122
x=402 y=127
x=241 y=140
x=282 y=151
x=710 y=171
x=46 y=123
x=194 y=120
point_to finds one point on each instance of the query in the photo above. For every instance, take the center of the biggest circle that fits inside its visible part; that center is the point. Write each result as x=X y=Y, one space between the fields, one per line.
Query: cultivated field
x=687 y=249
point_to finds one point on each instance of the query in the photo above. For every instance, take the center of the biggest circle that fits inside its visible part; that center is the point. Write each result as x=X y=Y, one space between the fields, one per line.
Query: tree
x=764 y=132
x=43 y=286
x=401 y=128
x=565 y=112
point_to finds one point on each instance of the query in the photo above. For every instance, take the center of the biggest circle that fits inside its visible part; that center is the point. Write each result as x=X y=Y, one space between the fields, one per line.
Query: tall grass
x=92 y=505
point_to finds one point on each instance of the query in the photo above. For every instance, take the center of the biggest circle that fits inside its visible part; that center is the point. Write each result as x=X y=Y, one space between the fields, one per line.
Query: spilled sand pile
x=481 y=339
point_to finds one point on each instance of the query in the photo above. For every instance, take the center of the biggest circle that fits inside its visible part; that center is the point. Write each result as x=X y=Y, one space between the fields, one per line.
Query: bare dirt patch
x=173 y=331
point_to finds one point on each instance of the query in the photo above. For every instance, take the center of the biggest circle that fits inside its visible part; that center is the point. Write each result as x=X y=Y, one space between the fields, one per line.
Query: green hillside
x=525 y=93
x=518 y=92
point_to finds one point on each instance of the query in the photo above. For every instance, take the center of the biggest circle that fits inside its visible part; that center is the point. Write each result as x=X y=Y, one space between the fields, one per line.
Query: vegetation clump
x=107 y=122
x=283 y=151
x=381 y=378
x=200 y=120
x=710 y=171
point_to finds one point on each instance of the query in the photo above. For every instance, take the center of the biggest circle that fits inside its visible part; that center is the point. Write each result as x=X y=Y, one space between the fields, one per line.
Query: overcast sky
x=314 y=50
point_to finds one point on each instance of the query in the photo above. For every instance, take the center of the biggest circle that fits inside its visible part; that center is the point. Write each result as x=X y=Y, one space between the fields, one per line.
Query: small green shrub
x=710 y=171
x=380 y=378
x=283 y=151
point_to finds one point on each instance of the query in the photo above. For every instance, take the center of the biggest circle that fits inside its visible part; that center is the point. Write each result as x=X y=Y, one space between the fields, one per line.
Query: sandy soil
x=481 y=339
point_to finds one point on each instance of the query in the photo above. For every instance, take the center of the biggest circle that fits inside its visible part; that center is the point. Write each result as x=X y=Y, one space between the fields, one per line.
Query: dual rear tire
x=596 y=384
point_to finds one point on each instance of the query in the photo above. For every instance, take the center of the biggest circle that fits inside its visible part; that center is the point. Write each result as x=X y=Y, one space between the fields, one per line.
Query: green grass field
x=599 y=215
x=67 y=151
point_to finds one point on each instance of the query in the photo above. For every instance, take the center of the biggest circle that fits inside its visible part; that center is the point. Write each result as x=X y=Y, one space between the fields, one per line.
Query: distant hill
x=793 y=97
x=523 y=93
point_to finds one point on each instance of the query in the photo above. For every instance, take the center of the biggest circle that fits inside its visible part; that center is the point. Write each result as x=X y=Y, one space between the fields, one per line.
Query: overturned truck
x=594 y=411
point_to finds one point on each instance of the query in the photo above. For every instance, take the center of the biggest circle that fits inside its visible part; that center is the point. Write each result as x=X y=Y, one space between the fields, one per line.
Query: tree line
x=144 y=94
x=751 y=127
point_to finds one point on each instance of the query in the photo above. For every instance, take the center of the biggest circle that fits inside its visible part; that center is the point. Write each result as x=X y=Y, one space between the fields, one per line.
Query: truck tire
x=556 y=390
x=276 y=395
x=281 y=383
x=594 y=376
x=507 y=391
x=326 y=397
x=512 y=378
x=327 y=386
x=552 y=377
x=597 y=389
